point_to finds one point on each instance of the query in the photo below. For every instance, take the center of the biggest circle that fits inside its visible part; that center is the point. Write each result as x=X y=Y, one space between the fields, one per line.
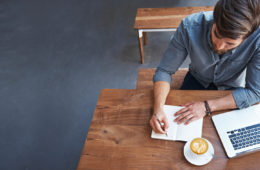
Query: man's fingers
x=151 y=123
x=154 y=127
x=185 y=118
x=158 y=127
x=187 y=104
x=182 y=116
x=166 y=124
x=181 y=111
x=190 y=120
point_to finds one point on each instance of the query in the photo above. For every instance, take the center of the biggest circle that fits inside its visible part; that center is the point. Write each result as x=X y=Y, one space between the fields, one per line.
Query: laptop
x=239 y=130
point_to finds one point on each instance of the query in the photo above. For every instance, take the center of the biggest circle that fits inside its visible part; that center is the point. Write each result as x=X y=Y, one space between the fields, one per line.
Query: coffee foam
x=199 y=146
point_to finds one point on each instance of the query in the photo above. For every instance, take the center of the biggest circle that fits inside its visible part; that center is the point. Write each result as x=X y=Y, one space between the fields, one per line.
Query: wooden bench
x=145 y=78
x=161 y=19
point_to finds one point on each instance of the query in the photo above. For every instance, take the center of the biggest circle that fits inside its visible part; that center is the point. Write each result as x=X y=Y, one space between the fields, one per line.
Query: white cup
x=201 y=158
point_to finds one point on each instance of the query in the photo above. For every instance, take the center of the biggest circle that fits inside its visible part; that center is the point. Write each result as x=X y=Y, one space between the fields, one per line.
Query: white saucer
x=198 y=159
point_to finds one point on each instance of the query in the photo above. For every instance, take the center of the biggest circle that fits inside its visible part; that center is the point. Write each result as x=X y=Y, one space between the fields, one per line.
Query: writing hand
x=156 y=125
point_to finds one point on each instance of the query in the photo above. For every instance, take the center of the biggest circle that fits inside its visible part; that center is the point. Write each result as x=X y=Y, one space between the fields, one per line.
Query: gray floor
x=55 y=57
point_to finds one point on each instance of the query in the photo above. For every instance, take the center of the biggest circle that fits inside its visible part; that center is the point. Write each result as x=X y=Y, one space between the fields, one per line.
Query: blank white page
x=179 y=132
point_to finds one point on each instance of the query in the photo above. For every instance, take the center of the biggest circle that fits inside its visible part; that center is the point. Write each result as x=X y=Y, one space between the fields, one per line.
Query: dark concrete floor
x=55 y=57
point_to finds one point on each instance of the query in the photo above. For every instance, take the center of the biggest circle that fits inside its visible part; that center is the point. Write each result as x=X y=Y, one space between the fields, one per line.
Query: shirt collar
x=209 y=34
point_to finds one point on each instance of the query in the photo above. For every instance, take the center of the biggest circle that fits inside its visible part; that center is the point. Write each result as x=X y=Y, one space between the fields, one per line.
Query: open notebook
x=179 y=132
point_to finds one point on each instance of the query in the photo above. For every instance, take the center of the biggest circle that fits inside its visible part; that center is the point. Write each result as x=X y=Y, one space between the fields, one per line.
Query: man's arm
x=173 y=57
x=161 y=90
x=222 y=103
x=196 y=110
x=240 y=98
x=191 y=112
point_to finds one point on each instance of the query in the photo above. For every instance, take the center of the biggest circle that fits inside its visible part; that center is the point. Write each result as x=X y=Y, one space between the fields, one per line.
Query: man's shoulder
x=198 y=19
x=254 y=38
x=257 y=36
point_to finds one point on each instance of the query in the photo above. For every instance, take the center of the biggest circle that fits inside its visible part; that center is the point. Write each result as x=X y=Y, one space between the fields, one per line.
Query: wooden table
x=119 y=135
x=161 y=19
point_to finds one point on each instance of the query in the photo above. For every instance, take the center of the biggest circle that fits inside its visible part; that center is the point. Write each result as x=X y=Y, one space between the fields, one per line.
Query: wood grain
x=145 y=78
x=119 y=135
x=160 y=18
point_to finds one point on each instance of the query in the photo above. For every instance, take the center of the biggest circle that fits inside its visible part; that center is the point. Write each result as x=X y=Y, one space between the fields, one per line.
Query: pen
x=160 y=123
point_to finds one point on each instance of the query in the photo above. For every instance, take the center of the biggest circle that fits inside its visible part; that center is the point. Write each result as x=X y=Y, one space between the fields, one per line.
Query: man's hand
x=155 y=124
x=191 y=112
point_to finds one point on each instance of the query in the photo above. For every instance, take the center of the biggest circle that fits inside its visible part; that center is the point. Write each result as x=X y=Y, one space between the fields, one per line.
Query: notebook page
x=172 y=130
x=179 y=132
x=190 y=131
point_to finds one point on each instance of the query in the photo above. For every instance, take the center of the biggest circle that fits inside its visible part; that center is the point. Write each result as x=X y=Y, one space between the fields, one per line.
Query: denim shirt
x=237 y=69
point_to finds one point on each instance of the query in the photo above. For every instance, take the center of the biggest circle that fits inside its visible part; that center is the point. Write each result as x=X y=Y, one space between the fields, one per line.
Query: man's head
x=234 y=21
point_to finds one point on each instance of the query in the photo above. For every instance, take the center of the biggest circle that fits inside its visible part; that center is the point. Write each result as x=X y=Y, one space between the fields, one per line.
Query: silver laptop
x=239 y=130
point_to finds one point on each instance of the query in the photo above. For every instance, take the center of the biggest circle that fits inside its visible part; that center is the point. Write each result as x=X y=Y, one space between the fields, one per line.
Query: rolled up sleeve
x=245 y=97
x=162 y=75
x=174 y=56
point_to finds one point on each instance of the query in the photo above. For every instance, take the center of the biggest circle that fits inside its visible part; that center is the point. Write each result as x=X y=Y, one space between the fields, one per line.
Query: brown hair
x=236 y=18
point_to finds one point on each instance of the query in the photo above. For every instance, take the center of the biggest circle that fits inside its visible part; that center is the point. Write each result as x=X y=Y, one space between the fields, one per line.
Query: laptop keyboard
x=244 y=137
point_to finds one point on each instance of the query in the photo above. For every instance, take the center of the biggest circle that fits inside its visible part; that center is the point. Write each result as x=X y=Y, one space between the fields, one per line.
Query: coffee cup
x=199 y=146
x=198 y=151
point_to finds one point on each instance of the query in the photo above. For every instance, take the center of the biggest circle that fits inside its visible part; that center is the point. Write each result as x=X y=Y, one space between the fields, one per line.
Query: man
x=224 y=50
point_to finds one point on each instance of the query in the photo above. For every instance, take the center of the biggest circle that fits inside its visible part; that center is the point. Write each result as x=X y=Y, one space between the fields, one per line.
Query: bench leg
x=145 y=38
x=140 y=36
